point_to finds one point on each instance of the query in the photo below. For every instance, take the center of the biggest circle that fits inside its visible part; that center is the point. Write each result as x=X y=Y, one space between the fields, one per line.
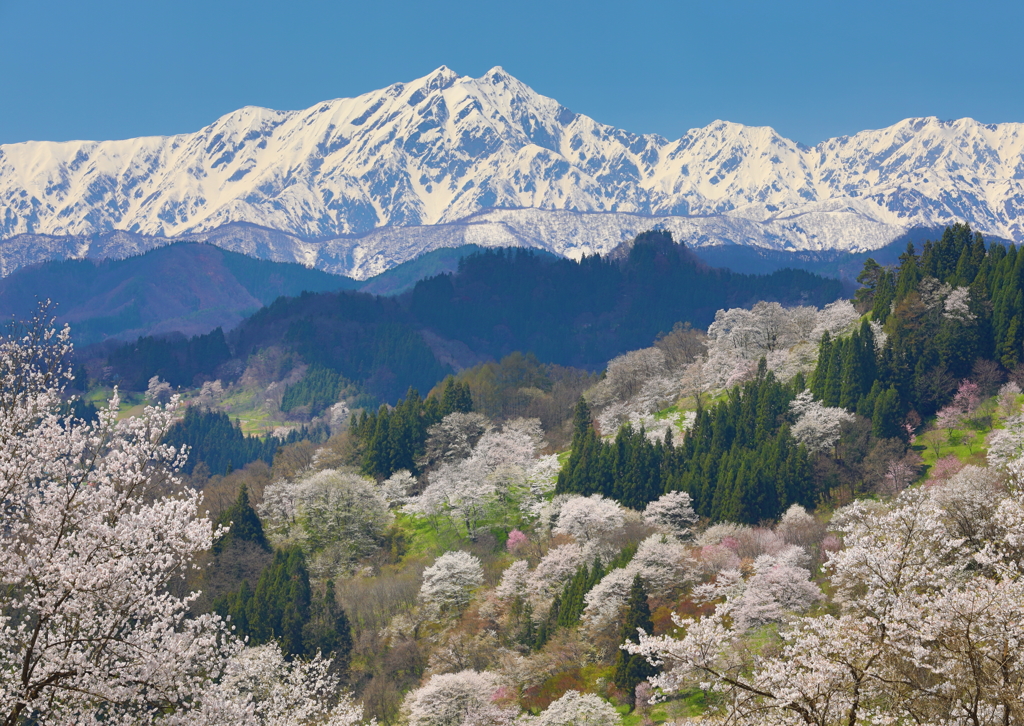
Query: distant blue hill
x=187 y=287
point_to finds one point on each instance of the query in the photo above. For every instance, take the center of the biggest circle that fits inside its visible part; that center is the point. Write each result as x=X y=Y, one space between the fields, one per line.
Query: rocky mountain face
x=358 y=185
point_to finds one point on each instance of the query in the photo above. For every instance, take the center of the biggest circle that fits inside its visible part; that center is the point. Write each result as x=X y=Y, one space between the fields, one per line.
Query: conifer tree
x=547 y=628
x=455 y=398
x=630 y=670
x=244 y=523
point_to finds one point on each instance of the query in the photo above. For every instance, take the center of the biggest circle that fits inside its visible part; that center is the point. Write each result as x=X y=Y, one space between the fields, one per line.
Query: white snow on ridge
x=359 y=183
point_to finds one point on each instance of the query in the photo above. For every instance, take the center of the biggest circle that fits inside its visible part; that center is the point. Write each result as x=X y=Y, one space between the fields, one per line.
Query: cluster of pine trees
x=957 y=303
x=319 y=389
x=221 y=445
x=739 y=462
x=282 y=607
x=847 y=376
x=395 y=438
x=178 y=360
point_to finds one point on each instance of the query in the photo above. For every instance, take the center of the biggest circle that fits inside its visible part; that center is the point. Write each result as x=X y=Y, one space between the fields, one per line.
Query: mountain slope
x=188 y=288
x=341 y=178
x=500 y=301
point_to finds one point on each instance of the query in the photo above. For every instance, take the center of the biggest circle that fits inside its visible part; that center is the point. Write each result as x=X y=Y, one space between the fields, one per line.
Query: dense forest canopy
x=564 y=312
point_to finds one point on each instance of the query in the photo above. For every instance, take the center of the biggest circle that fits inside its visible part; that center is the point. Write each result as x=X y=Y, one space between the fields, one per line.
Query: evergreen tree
x=328 y=630
x=455 y=398
x=630 y=670
x=885 y=418
x=243 y=522
x=214 y=439
x=278 y=609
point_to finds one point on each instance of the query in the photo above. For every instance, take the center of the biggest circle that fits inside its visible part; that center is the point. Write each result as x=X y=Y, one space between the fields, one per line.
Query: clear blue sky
x=812 y=70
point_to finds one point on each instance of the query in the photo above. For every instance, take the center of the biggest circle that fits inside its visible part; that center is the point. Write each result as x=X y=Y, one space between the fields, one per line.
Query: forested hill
x=569 y=313
x=585 y=313
x=187 y=288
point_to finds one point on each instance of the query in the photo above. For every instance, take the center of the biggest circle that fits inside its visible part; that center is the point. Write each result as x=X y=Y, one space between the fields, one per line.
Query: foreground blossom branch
x=930 y=617
x=93 y=528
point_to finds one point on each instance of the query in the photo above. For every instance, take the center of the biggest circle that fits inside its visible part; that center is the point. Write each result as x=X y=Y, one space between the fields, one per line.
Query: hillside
x=568 y=313
x=754 y=499
x=184 y=287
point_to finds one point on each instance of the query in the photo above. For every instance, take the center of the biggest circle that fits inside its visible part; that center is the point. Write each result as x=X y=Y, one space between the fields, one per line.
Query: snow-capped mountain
x=358 y=185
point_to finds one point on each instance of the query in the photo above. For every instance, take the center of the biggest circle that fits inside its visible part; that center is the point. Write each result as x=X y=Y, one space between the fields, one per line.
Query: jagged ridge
x=491 y=156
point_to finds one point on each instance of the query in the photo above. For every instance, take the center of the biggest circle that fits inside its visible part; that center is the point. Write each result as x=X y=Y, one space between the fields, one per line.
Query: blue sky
x=812 y=70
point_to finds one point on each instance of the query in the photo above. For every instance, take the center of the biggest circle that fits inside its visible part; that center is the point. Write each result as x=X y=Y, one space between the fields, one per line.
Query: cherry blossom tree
x=94 y=527
x=556 y=568
x=798 y=527
x=786 y=337
x=502 y=474
x=589 y=520
x=627 y=373
x=818 y=426
x=967 y=397
x=662 y=562
x=781 y=585
x=158 y=391
x=516 y=540
x=1008 y=395
x=210 y=394
x=929 y=614
x=1007 y=443
x=450 y=581
x=259 y=686
x=577 y=709
x=515 y=581
x=337 y=516
x=957 y=306
x=395 y=489
x=446 y=699
x=454 y=437
x=672 y=512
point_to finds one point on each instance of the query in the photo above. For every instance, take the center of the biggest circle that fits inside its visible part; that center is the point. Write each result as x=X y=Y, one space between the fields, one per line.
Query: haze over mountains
x=356 y=186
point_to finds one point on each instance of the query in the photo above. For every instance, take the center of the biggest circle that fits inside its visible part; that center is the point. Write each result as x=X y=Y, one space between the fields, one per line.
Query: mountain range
x=356 y=186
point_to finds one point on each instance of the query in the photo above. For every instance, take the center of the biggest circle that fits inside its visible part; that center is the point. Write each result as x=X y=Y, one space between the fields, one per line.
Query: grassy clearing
x=673 y=410
x=424 y=539
x=243 y=404
x=688 y=704
x=934 y=445
x=131 y=404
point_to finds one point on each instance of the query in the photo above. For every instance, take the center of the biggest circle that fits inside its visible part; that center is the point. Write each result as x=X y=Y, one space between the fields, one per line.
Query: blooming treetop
x=445 y=699
x=556 y=568
x=786 y=337
x=577 y=709
x=337 y=515
x=662 y=562
x=589 y=519
x=672 y=512
x=818 y=426
x=502 y=471
x=260 y=687
x=449 y=582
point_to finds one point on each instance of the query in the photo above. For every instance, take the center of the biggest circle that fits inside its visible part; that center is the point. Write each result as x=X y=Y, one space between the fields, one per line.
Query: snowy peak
x=444 y=149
